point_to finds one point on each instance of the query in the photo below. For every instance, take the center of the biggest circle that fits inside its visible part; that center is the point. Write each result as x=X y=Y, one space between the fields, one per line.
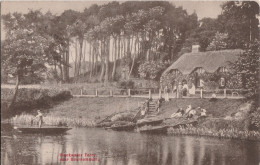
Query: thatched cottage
x=199 y=68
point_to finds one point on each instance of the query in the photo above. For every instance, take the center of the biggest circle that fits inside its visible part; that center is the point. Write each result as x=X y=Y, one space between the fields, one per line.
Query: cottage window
x=200 y=83
x=222 y=82
x=175 y=71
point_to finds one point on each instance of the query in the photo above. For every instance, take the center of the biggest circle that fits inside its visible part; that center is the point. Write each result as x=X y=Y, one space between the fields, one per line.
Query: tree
x=248 y=65
x=24 y=50
x=238 y=20
x=219 y=42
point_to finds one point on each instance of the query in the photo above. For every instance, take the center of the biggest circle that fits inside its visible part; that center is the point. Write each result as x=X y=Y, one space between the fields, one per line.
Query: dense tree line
x=129 y=34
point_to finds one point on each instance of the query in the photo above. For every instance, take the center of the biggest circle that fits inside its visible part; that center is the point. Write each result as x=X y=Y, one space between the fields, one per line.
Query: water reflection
x=126 y=148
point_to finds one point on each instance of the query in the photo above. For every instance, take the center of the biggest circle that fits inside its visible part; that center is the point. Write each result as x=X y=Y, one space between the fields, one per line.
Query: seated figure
x=179 y=113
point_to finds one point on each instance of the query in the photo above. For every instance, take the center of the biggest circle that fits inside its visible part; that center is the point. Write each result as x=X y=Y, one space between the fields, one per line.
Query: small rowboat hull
x=128 y=127
x=149 y=121
x=44 y=130
x=154 y=130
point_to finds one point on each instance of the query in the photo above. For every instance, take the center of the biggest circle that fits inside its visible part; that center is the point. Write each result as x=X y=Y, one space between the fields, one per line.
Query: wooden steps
x=152 y=108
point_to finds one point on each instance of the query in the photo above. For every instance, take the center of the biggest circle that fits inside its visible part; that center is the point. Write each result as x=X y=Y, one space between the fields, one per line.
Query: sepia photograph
x=130 y=82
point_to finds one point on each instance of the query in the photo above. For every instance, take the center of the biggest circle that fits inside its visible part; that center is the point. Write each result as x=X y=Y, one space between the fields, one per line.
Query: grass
x=222 y=133
x=26 y=119
x=94 y=108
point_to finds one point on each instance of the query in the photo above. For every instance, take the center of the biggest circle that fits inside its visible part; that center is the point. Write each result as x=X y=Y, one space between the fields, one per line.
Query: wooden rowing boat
x=43 y=130
x=149 y=121
x=127 y=127
x=154 y=130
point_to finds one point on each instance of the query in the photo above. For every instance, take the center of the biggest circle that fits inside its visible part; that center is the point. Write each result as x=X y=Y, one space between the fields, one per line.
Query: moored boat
x=43 y=130
x=127 y=127
x=154 y=129
x=149 y=121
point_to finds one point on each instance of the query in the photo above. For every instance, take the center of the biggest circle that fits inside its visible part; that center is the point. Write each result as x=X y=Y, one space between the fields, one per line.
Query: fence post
x=111 y=93
x=160 y=93
x=225 y=93
x=201 y=93
x=96 y=93
x=177 y=93
x=129 y=92
x=81 y=92
x=150 y=94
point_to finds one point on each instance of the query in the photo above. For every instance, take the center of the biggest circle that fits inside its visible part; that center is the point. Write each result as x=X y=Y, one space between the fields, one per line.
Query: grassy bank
x=89 y=111
x=222 y=133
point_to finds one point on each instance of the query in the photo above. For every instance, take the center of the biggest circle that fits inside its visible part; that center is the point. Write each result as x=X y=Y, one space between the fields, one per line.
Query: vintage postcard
x=130 y=83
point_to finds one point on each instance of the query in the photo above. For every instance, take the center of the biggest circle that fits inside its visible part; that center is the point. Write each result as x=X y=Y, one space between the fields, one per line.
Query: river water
x=127 y=148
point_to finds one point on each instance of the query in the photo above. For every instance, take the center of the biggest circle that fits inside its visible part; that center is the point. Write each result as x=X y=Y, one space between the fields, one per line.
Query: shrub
x=211 y=85
x=129 y=84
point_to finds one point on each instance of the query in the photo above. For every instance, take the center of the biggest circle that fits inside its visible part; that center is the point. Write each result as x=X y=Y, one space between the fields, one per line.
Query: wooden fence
x=157 y=93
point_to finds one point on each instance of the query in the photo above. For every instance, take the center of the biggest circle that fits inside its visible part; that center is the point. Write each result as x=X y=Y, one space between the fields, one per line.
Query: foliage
x=248 y=66
x=152 y=69
x=238 y=20
x=218 y=42
x=211 y=85
x=129 y=84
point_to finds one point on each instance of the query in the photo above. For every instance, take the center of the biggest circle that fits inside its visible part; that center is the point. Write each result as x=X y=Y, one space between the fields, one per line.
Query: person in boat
x=40 y=118
x=179 y=113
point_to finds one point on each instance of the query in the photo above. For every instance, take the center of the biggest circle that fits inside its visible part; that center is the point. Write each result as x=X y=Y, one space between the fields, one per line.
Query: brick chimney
x=195 y=48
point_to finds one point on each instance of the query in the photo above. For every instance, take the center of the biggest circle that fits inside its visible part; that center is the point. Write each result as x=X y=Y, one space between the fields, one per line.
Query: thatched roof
x=210 y=61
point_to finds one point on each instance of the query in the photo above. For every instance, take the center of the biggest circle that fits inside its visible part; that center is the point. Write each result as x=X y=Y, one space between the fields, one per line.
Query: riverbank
x=222 y=120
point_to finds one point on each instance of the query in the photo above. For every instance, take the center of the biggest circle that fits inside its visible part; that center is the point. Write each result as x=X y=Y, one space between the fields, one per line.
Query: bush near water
x=29 y=98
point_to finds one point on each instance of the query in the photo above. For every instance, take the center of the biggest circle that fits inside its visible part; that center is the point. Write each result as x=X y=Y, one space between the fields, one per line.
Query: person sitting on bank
x=203 y=113
x=179 y=113
x=191 y=113
x=213 y=97
x=188 y=109
x=40 y=118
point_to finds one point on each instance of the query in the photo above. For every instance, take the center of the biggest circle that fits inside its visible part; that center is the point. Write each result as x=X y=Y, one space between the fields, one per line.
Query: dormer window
x=175 y=71
x=223 y=69
x=200 y=70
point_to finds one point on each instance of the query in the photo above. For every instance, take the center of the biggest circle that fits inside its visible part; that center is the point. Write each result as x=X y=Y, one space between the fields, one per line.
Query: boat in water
x=43 y=130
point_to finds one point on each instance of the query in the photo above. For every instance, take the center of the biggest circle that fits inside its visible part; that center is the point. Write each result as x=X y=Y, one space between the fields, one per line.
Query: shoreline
x=189 y=131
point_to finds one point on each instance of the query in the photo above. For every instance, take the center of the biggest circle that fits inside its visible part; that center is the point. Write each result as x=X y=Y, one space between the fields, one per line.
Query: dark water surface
x=126 y=148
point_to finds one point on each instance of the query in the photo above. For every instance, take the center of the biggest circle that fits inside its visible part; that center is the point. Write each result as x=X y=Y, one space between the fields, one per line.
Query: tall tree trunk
x=61 y=72
x=102 y=61
x=84 y=58
x=67 y=62
x=80 y=54
x=115 y=55
x=89 y=58
x=11 y=106
x=107 y=58
x=133 y=61
x=64 y=66
x=92 y=60
x=128 y=46
x=76 y=59
x=96 y=60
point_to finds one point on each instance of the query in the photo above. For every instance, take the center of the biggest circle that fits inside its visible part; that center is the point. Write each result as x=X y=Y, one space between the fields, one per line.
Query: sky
x=202 y=8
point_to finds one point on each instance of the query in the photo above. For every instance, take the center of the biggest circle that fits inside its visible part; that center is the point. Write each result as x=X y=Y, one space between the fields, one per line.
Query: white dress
x=192 y=89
